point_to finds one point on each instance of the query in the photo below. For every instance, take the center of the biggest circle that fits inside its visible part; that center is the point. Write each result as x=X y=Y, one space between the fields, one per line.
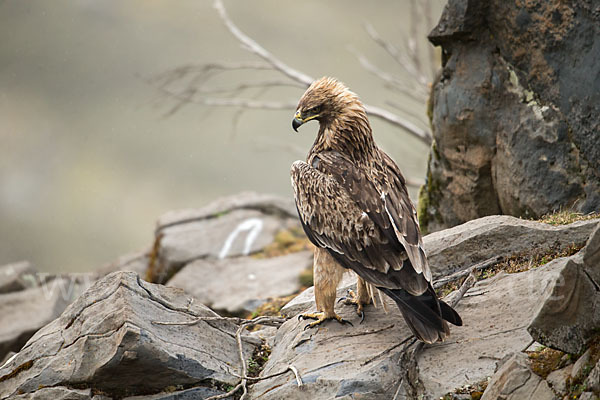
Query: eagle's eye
x=315 y=110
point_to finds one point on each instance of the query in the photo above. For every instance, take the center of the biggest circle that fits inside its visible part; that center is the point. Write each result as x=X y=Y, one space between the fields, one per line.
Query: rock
x=56 y=393
x=558 y=379
x=588 y=396
x=337 y=360
x=592 y=382
x=265 y=203
x=515 y=381
x=581 y=363
x=504 y=236
x=107 y=341
x=514 y=117
x=591 y=256
x=23 y=313
x=231 y=227
x=187 y=394
x=16 y=276
x=568 y=315
x=240 y=285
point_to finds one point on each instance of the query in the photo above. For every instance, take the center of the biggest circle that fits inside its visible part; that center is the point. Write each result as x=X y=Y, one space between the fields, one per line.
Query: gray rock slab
x=238 y=285
x=592 y=382
x=16 y=276
x=568 y=314
x=558 y=379
x=107 y=340
x=516 y=381
x=235 y=233
x=336 y=360
x=588 y=396
x=23 y=313
x=265 y=203
x=56 y=393
x=591 y=256
x=495 y=313
x=499 y=235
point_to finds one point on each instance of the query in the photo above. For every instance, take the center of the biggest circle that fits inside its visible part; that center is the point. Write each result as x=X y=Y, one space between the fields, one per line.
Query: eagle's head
x=325 y=100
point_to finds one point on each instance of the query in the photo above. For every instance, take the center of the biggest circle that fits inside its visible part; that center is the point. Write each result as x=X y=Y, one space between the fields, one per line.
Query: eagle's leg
x=360 y=298
x=327 y=275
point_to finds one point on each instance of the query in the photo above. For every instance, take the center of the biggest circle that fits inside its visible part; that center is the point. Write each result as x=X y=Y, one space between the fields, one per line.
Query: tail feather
x=425 y=315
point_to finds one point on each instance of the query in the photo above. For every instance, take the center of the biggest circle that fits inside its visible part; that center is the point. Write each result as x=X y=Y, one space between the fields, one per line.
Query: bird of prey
x=354 y=207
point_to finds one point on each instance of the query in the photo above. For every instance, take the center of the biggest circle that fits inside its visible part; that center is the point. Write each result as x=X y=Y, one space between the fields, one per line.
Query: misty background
x=90 y=154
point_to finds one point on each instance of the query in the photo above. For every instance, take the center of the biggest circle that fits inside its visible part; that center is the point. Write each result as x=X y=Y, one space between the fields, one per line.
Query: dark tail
x=425 y=315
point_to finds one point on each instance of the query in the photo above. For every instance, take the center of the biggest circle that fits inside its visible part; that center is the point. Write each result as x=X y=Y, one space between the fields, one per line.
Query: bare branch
x=300 y=77
x=390 y=117
x=405 y=62
x=417 y=93
x=260 y=51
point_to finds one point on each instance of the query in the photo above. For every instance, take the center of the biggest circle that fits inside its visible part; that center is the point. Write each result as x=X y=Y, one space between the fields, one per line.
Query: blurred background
x=95 y=143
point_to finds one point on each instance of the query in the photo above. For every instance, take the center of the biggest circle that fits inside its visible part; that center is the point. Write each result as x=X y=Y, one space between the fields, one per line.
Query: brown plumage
x=354 y=206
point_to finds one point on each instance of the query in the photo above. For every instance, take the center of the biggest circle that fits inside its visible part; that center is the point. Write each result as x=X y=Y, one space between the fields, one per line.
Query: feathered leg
x=327 y=275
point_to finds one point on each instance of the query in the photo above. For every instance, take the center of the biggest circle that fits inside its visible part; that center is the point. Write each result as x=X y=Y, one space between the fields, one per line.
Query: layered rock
x=240 y=285
x=568 y=315
x=516 y=111
x=108 y=342
x=230 y=227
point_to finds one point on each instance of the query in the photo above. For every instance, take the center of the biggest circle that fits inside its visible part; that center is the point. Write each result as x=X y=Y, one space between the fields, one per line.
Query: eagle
x=354 y=207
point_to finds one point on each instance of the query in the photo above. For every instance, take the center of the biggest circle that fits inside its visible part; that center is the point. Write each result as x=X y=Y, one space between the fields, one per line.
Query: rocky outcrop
x=336 y=359
x=516 y=111
x=107 y=341
x=240 y=285
x=234 y=226
x=499 y=236
x=34 y=301
x=569 y=312
x=515 y=381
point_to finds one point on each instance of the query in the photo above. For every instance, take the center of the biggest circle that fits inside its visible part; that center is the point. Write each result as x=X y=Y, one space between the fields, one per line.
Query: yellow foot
x=320 y=318
x=353 y=299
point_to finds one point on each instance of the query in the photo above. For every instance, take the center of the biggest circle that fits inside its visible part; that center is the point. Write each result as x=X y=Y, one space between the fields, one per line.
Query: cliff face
x=515 y=111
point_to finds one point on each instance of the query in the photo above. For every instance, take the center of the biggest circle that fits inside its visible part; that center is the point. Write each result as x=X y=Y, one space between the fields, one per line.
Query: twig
x=243 y=324
x=393 y=82
x=462 y=273
x=398 y=56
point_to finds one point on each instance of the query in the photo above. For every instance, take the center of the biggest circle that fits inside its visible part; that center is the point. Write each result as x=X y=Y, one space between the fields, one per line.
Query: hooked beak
x=297 y=121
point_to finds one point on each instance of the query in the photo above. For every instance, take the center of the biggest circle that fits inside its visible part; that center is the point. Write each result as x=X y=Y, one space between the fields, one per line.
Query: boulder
x=107 y=341
x=16 y=276
x=568 y=315
x=515 y=380
x=515 y=111
x=337 y=360
x=240 y=225
x=498 y=236
x=239 y=285
x=558 y=379
x=592 y=382
x=22 y=313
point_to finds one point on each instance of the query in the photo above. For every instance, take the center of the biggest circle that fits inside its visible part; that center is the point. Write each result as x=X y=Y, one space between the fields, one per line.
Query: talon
x=342 y=299
x=362 y=317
